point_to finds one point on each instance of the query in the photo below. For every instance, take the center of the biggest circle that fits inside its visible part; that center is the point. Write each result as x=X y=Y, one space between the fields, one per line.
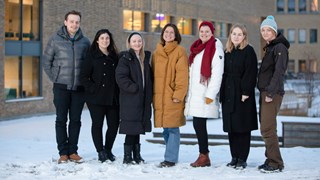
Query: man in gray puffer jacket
x=62 y=58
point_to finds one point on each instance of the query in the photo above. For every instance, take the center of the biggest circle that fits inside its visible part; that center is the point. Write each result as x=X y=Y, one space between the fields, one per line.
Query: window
x=291 y=34
x=133 y=20
x=291 y=6
x=302 y=66
x=280 y=5
x=302 y=6
x=22 y=28
x=314 y=6
x=313 y=36
x=302 y=36
x=21 y=77
x=222 y=29
x=159 y=21
x=184 y=25
x=291 y=66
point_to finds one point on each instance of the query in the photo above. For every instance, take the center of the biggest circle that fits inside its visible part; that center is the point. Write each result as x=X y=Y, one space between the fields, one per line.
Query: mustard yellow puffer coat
x=170 y=70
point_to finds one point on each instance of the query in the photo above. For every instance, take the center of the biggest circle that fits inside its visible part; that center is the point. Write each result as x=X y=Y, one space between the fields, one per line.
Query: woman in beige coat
x=170 y=68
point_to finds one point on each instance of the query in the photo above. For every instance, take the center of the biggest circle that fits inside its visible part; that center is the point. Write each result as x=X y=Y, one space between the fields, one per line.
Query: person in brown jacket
x=170 y=69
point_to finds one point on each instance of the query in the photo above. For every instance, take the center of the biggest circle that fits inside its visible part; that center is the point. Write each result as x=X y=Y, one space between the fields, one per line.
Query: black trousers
x=70 y=103
x=98 y=113
x=132 y=139
x=239 y=145
x=200 y=127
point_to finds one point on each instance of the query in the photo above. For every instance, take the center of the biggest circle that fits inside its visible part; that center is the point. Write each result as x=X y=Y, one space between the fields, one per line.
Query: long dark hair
x=112 y=48
x=176 y=33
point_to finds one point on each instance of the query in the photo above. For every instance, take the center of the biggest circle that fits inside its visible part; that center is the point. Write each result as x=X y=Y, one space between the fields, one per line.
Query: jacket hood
x=280 y=39
x=63 y=33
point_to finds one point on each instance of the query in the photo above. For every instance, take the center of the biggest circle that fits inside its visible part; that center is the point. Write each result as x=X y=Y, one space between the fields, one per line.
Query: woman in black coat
x=133 y=76
x=237 y=94
x=102 y=92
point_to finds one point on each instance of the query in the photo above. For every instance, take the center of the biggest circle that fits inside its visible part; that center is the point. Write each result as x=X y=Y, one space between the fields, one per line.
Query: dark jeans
x=132 y=139
x=98 y=112
x=200 y=126
x=268 y=129
x=239 y=145
x=70 y=103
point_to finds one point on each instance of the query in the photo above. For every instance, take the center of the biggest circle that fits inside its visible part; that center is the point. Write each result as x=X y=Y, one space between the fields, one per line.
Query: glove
x=208 y=100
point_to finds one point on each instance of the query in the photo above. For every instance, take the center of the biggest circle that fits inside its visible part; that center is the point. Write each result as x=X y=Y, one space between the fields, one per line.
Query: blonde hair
x=245 y=41
x=141 y=53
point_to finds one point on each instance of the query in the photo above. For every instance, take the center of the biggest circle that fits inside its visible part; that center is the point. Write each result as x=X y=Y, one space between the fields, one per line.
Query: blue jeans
x=68 y=104
x=172 y=139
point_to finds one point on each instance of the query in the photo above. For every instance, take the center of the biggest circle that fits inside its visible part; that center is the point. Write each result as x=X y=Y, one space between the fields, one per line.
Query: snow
x=28 y=151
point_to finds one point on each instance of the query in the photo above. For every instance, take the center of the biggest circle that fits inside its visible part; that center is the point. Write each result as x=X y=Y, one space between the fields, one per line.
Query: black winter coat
x=273 y=66
x=135 y=99
x=239 y=78
x=63 y=57
x=98 y=77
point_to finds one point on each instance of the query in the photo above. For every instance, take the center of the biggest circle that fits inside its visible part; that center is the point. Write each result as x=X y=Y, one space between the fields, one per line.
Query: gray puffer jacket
x=63 y=57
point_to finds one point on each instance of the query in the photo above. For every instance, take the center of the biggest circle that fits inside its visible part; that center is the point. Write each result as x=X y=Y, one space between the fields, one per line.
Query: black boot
x=233 y=162
x=136 y=154
x=127 y=158
x=102 y=156
x=110 y=155
x=241 y=164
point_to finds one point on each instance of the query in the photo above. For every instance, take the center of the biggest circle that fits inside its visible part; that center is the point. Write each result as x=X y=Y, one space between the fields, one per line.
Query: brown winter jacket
x=170 y=68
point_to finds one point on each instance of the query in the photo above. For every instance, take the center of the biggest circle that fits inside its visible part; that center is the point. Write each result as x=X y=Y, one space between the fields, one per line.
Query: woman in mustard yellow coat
x=170 y=68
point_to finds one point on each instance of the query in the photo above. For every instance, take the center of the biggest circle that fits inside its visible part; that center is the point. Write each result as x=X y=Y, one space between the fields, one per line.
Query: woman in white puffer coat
x=205 y=76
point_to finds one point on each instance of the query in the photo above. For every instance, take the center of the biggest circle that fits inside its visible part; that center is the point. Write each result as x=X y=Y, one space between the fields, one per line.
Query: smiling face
x=205 y=33
x=268 y=34
x=103 y=41
x=168 y=34
x=72 y=23
x=136 y=43
x=237 y=36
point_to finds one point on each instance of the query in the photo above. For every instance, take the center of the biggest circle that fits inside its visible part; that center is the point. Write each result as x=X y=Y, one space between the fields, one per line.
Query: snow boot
x=136 y=154
x=127 y=158
x=202 y=161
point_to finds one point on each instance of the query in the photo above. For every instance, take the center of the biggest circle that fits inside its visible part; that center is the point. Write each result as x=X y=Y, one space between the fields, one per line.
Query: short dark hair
x=176 y=33
x=74 y=12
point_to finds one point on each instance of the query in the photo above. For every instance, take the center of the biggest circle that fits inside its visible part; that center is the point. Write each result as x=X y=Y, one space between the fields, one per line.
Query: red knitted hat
x=209 y=24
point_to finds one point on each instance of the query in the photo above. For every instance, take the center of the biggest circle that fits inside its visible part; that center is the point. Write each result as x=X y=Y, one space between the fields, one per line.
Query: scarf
x=209 y=51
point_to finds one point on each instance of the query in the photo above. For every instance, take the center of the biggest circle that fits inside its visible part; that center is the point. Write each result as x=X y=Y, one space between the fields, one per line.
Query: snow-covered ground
x=28 y=151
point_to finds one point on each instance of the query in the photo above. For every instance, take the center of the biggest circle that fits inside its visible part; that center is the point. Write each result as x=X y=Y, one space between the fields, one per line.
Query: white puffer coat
x=197 y=92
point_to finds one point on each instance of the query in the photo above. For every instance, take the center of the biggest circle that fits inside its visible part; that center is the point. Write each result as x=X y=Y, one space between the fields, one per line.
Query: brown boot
x=202 y=161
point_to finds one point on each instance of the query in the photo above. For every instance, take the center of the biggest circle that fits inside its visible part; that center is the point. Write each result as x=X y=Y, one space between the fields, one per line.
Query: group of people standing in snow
x=122 y=87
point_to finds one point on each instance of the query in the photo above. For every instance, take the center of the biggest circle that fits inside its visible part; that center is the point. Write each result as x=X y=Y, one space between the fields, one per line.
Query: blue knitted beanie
x=269 y=22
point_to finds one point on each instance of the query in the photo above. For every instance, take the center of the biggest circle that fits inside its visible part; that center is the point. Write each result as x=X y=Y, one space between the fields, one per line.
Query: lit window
x=302 y=66
x=133 y=20
x=302 y=5
x=291 y=34
x=21 y=77
x=184 y=25
x=159 y=20
x=291 y=6
x=30 y=20
x=314 y=6
x=280 y=5
x=313 y=35
x=302 y=35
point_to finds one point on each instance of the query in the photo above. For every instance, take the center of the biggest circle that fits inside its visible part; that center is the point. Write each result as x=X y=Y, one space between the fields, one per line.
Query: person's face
x=168 y=34
x=103 y=41
x=205 y=33
x=72 y=23
x=136 y=43
x=268 y=34
x=237 y=36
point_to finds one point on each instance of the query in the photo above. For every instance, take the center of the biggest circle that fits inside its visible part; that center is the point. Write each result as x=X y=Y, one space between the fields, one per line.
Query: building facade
x=26 y=26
